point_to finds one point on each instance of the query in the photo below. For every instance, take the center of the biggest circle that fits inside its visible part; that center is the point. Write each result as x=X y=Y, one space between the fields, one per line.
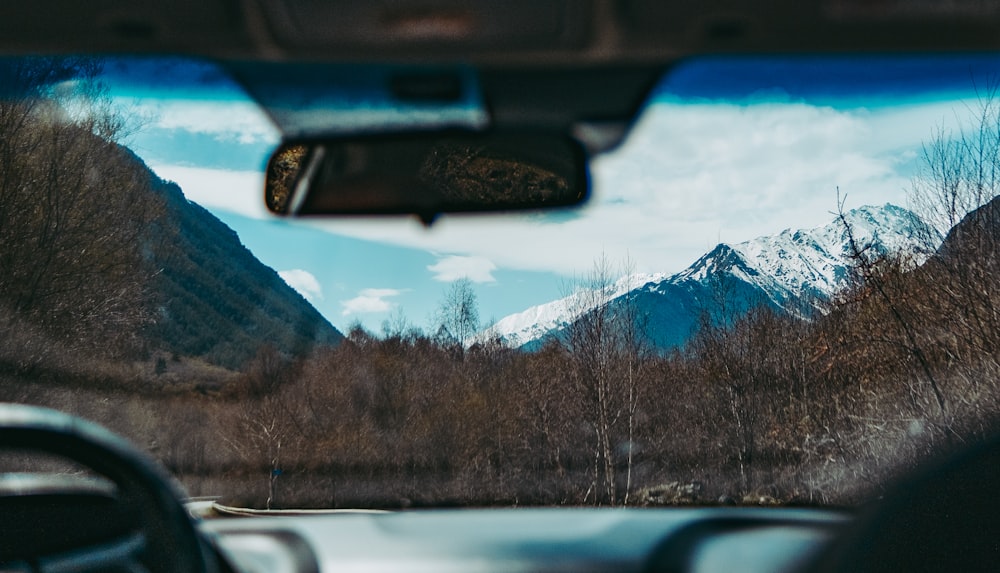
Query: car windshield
x=783 y=290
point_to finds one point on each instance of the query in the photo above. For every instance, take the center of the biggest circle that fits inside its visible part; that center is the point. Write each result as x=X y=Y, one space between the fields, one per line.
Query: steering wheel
x=138 y=506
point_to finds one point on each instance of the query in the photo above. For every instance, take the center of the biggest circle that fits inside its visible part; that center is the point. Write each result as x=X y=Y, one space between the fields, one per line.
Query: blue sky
x=724 y=152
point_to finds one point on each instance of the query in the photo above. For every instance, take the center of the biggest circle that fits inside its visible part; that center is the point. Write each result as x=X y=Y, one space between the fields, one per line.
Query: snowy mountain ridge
x=792 y=268
x=538 y=321
x=814 y=263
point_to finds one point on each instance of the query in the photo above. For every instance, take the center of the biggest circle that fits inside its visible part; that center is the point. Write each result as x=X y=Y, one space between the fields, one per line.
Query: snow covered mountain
x=793 y=271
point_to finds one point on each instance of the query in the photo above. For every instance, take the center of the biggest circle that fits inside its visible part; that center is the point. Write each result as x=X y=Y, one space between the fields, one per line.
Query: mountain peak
x=789 y=270
x=813 y=263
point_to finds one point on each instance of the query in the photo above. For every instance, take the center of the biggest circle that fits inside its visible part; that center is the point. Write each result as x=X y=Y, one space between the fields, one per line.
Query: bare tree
x=74 y=207
x=266 y=421
x=957 y=190
x=458 y=312
x=960 y=170
x=608 y=350
x=868 y=263
x=730 y=351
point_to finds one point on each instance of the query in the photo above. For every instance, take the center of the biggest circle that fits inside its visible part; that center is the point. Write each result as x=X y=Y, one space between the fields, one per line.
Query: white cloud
x=370 y=300
x=240 y=192
x=304 y=282
x=227 y=120
x=690 y=176
x=452 y=268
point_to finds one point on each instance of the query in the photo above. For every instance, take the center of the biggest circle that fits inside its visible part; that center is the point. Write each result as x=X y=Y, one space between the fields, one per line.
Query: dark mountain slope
x=976 y=236
x=103 y=263
x=216 y=300
x=671 y=310
x=959 y=288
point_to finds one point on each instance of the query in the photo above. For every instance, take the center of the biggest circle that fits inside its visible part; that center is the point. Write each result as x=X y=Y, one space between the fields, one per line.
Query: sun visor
x=312 y=100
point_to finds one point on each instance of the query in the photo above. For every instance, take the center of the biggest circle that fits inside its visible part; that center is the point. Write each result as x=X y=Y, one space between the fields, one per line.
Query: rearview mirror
x=426 y=174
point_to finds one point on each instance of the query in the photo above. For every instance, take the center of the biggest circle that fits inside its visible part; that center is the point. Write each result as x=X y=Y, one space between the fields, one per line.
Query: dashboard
x=698 y=540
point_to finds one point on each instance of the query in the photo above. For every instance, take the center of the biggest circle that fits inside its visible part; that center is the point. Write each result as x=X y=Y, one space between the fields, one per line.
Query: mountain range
x=795 y=271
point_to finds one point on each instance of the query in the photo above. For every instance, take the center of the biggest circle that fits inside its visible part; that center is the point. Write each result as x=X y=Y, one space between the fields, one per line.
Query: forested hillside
x=105 y=269
x=216 y=301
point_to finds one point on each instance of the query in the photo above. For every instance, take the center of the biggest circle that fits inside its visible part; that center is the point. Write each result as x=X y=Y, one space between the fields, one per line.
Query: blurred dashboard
x=580 y=540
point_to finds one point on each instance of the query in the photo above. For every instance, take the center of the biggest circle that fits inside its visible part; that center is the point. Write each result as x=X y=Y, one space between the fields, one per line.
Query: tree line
x=759 y=407
x=74 y=210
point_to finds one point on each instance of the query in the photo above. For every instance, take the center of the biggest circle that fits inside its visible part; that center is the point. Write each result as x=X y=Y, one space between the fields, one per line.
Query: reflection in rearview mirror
x=426 y=174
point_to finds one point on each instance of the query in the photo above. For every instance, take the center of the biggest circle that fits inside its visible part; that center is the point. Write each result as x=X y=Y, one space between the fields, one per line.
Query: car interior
x=546 y=87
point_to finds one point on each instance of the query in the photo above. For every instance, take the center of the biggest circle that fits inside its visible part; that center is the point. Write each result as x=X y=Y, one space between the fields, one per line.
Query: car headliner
x=559 y=64
x=521 y=32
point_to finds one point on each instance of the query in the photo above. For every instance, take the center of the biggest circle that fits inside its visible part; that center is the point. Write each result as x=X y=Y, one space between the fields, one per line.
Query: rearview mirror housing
x=427 y=174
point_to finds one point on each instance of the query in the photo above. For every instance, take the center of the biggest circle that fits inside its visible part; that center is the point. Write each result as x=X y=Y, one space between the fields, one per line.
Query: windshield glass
x=782 y=291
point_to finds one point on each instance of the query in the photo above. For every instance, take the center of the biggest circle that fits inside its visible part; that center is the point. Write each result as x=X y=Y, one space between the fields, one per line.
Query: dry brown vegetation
x=761 y=409
x=73 y=213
